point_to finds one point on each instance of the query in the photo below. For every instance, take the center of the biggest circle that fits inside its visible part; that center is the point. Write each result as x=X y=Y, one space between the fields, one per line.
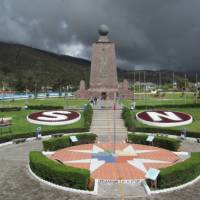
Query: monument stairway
x=107 y=123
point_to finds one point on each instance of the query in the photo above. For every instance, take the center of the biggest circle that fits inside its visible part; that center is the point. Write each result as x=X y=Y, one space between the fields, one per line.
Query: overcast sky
x=150 y=34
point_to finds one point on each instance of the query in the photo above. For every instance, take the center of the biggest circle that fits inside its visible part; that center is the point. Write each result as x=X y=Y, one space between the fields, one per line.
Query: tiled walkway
x=104 y=125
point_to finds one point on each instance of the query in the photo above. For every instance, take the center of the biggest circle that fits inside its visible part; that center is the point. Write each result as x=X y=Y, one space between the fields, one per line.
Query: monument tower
x=103 y=75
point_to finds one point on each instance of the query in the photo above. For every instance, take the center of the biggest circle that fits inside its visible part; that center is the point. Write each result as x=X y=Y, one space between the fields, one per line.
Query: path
x=104 y=125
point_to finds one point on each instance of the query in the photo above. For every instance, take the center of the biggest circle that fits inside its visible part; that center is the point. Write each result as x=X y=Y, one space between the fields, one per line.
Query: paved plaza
x=114 y=162
x=16 y=182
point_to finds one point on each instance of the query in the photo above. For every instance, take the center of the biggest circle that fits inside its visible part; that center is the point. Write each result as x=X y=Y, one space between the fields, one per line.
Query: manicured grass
x=167 y=99
x=47 y=102
x=193 y=127
x=21 y=125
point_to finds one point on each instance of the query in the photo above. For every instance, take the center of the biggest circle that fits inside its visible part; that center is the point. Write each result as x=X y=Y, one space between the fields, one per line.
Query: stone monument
x=103 y=75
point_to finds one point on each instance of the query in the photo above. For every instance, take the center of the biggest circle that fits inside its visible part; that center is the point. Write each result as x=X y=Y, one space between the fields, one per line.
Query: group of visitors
x=93 y=101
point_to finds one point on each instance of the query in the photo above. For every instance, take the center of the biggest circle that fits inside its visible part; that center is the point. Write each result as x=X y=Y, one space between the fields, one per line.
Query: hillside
x=24 y=67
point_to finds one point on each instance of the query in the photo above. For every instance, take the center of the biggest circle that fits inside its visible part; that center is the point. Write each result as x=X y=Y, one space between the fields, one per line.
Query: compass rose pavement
x=128 y=161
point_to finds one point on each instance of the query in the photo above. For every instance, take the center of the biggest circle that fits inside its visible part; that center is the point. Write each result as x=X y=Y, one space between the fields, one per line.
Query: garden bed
x=58 y=173
x=159 y=141
x=180 y=173
x=193 y=129
x=54 y=144
x=22 y=128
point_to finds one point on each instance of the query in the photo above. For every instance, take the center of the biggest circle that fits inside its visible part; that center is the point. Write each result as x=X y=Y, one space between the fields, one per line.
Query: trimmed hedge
x=166 y=131
x=127 y=115
x=43 y=107
x=159 y=141
x=88 y=113
x=11 y=136
x=144 y=107
x=57 y=173
x=129 y=118
x=54 y=144
x=10 y=109
x=180 y=173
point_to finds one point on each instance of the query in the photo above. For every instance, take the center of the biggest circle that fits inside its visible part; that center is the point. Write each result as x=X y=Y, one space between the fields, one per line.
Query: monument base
x=104 y=93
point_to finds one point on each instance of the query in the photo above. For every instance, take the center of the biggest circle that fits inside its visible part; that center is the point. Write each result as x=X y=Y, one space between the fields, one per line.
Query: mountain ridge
x=23 y=67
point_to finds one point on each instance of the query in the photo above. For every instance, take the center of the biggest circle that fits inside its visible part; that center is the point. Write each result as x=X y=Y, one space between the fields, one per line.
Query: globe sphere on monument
x=103 y=30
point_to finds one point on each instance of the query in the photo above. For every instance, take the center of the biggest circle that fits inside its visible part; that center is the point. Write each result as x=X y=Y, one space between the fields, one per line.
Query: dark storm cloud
x=151 y=34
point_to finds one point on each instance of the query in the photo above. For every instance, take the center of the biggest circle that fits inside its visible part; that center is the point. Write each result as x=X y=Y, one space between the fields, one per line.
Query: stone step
x=107 y=111
x=121 y=190
x=109 y=138
x=103 y=123
x=107 y=117
x=108 y=127
x=104 y=132
x=109 y=121
x=106 y=123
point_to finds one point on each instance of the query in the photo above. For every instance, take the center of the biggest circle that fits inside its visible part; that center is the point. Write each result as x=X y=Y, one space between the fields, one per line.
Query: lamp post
x=114 y=136
x=185 y=88
x=196 y=86
x=145 y=89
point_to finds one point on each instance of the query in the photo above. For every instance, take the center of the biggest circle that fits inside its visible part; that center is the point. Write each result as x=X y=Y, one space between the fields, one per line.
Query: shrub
x=167 y=143
x=128 y=118
x=144 y=107
x=57 y=173
x=10 y=109
x=88 y=113
x=159 y=141
x=7 y=137
x=166 y=131
x=44 y=107
x=180 y=173
x=138 y=139
x=54 y=144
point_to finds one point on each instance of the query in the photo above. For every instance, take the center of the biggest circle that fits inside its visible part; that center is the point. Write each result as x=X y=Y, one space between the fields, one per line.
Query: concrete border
x=177 y=187
x=165 y=135
x=66 y=189
x=6 y=143
x=165 y=125
x=95 y=192
x=53 y=123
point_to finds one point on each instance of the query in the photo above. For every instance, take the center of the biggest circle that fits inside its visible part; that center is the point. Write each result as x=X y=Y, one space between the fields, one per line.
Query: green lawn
x=21 y=125
x=167 y=99
x=47 y=102
x=193 y=127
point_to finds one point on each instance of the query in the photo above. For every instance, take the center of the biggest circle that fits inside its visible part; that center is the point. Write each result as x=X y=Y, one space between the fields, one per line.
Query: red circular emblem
x=162 y=118
x=56 y=117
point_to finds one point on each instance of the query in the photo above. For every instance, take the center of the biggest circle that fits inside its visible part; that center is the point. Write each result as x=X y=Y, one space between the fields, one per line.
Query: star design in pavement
x=100 y=156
